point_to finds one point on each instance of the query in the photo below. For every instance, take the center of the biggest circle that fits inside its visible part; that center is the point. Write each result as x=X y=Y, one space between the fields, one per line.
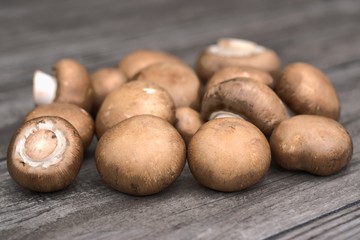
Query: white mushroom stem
x=44 y=88
x=232 y=47
x=224 y=114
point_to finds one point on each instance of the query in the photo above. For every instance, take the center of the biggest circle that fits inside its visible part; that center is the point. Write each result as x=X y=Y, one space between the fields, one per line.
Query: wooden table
x=285 y=205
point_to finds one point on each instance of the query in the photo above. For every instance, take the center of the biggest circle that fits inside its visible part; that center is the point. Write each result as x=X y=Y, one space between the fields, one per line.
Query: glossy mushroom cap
x=187 y=122
x=74 y=85
x=104 y=81
x=306 y=90
x=228 y=154
x=141 y=155
x=178 y=80
x=232 y=72
x=253 y=101
x=135 y=61
x=45 y=154
x=235 y=52
x=314 y=144
x=77 y=116
x=70 y=84
x=131 y=99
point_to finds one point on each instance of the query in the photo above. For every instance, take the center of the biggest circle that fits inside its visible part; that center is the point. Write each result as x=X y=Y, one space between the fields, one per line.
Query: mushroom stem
x=236 y=47
x=225 y=114
x=44 y=88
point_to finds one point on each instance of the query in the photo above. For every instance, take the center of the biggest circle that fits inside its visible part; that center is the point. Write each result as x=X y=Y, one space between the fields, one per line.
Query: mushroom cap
x=45 y=154
x=75 y=115
x=135 y=61
x=235 y=52
x=306 y=90
x=131 y=99
x=178 y=80
x=142 y=155
x=74 y=85
x=232 y=72
x=104 y=81
x=254 y=101
x=228 y=154
x=187 y=122
x=314 y=144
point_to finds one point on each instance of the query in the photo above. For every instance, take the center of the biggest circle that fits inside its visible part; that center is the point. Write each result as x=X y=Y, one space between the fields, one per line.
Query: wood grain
x=285 y=205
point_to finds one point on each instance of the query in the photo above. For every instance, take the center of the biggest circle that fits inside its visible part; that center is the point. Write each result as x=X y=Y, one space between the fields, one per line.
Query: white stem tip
x=44 y=88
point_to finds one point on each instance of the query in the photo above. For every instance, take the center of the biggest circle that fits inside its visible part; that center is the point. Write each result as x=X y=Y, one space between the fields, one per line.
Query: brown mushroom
x=131 y=99
x=178 y=80
x=306 y=90
x=235 y=52
x=77 y=116
x=314 y=144
x=228 y=154
x=135 y=61
x=252 y=100
x=70 y=84
x=104 y=81
x=232 y=72
x=45 y=154
x=187 y=122
x=142 y=155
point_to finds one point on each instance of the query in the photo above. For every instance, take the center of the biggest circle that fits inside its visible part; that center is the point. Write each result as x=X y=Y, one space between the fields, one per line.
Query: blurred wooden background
x=285 y=205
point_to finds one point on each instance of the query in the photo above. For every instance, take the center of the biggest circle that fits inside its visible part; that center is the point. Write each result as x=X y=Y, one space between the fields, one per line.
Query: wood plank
x=184 y=211
x=285 y=205
x=343 y=222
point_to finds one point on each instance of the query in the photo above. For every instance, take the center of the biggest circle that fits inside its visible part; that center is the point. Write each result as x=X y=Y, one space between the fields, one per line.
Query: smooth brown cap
x=104 y=81
x=142 y=155
x=228 y=154
x=306 y=90
x=228 y=54
x=254 y=101
x=74 y=85
x=232 y=72
x=178 y=80
x=135 y=61
x=314 y=144
x=131 y=99
x=35 y=165
x=187 y=122
x=75 y=115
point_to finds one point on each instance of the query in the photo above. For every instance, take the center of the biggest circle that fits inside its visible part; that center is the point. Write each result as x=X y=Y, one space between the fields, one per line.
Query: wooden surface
x=285 y=205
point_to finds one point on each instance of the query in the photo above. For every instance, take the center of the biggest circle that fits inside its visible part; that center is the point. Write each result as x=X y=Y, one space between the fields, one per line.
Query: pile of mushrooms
x=229 y=118
x=46 y=152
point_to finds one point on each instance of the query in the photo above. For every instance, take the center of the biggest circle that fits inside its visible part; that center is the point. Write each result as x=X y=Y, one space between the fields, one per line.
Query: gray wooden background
x=286 y=205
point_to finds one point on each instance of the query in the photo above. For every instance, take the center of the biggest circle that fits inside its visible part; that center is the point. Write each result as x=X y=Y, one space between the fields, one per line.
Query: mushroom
x=235 y=52
x=141 y=155
x=187 y=122
x=77 y=116
x=45 y=154
x=70 y=84
x=228 y=154
x=131 y=99
x=178 y=80
x=104 y=81
x=306 y=90
x=135 y=61
x=252 y=100
x=232 y=72
x=314 y=144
